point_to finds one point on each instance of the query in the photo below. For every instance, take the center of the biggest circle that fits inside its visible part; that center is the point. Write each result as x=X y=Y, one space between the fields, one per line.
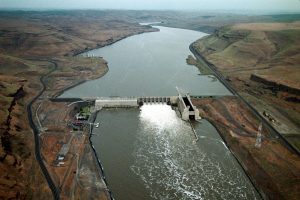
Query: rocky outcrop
x=5 y=136
x=275 y=86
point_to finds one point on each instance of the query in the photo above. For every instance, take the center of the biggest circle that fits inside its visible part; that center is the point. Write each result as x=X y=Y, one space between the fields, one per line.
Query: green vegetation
x=85 y=111
x=204 y=70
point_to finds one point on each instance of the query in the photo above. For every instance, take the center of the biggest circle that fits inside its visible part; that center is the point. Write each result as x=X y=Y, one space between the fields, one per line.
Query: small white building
x=63 y=152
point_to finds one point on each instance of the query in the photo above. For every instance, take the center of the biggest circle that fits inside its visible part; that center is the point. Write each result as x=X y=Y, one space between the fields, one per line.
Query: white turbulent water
x=158 y=147
x=173 y=166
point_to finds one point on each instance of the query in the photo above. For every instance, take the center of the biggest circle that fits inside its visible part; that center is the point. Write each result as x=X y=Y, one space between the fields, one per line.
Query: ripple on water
x=173 y=167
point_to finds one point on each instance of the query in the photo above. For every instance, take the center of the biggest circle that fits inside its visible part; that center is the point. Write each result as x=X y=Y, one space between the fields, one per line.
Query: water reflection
x=173 y=167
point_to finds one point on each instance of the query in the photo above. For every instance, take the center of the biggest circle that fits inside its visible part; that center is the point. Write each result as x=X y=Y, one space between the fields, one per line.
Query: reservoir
x=150 y=153
x=149 y=64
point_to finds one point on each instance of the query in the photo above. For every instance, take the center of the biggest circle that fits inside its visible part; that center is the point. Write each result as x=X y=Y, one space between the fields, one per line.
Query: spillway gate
x=186 y=108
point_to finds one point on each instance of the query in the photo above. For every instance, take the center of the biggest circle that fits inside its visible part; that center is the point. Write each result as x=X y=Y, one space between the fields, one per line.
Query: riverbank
x=87 y=179
x=31 y=44
x=259 y=60
x=96 y=157
x=22 y=66
x=265 y=162
x=114 y=41
x=270 y=165
x=76 y=173
x=118 y=161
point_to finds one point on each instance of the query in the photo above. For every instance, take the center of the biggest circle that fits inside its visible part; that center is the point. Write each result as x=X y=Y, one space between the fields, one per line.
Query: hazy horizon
x=266 y=6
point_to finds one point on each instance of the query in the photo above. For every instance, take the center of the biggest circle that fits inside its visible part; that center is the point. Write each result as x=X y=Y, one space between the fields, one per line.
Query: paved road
x=257 y=114
x=54 y=189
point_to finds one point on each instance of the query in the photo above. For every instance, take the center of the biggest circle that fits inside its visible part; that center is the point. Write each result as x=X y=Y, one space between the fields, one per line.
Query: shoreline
x=111 y=43
x=107 y=68
x=95 y=157
x=56 y=95
x=220 y=132
x=252 y=181
x=255 y=112
x=39 y=120
x=96 y=164
x=251 y=162
x=94 y=115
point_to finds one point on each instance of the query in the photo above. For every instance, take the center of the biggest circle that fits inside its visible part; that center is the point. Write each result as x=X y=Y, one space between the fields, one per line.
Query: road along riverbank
x=66 y=179
x=273 y=163
x=130 y=141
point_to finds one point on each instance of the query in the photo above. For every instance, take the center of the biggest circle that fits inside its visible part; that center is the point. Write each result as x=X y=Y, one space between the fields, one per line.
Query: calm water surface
x=150 y=64
x=150 y=153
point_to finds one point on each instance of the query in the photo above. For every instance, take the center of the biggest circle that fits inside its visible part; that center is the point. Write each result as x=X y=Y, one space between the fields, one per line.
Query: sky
x=259 y=5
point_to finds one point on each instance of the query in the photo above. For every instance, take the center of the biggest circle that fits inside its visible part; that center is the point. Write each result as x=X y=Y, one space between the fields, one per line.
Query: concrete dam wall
x=185 y=106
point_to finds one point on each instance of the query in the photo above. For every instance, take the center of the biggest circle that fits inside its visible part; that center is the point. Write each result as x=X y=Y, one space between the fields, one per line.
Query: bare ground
x=30 y=44
x=273 y=168
x=261 y=62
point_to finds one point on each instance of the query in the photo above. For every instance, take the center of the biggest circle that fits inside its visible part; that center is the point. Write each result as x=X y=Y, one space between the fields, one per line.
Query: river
x=149 y=64
x=150 y=153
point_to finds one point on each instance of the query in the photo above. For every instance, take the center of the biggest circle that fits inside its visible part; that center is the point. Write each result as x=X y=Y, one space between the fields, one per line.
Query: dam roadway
x=150 y=153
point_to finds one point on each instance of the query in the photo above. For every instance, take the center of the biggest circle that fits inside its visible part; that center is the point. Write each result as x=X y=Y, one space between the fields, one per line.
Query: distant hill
x=262 y=62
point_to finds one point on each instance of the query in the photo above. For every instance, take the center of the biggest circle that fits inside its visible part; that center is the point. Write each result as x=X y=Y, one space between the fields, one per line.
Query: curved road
x=262 y=119
x=54 y=189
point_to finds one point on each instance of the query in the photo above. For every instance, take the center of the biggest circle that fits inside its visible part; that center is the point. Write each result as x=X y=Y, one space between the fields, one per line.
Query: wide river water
x=150 y=153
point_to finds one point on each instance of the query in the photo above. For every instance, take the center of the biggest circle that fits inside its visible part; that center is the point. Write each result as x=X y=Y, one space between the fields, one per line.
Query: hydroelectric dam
x=183 y=102
x=149 y=152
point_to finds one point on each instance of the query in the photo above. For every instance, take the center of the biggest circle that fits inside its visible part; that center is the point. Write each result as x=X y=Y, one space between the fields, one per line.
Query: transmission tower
x=258 y=136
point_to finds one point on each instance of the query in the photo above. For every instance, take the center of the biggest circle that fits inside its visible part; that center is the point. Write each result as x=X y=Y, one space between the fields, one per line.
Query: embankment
x=270 y=165
x=276 y=85
x=27 y=60
x=234 y=55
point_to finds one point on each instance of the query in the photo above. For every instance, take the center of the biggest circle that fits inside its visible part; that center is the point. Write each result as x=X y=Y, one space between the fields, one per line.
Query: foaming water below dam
x=156 y=157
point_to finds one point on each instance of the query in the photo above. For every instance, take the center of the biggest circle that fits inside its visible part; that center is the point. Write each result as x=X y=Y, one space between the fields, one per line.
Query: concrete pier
x=186 y=108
